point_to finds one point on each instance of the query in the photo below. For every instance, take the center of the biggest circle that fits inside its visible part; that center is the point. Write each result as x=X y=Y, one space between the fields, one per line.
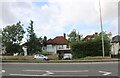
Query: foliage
x=74 y=37
x=43 y=53
x=17 y=58
x=44 y=41
x=34 y=44
x=13 y=33
x=91 y=47
x=0 y=35
x=12 y=36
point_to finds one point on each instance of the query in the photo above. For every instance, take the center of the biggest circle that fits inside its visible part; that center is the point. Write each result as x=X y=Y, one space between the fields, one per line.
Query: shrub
x=92 y=47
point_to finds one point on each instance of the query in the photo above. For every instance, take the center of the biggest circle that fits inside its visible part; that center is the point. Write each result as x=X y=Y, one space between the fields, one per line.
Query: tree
x=74 y=37
x=0 y=41
x=44 y=41
x=0 y=35
x=33 y=43
x=12 y=36
x=107 y=42
x=91 y=47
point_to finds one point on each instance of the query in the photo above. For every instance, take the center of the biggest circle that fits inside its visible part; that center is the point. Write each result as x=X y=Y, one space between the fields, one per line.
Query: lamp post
x=101 y=30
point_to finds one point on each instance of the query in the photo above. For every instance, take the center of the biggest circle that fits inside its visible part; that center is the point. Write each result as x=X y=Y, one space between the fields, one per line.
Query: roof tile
x=58 y=40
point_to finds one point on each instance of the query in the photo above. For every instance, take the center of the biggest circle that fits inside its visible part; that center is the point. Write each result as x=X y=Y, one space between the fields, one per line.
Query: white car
x=67 y=56
x=40 y=56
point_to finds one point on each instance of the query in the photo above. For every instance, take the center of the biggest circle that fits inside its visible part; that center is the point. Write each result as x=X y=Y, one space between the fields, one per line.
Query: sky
x=54 y=17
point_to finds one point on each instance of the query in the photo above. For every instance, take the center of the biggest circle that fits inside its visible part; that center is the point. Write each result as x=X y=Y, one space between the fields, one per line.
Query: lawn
x=16 y=57
x=51 y=58
x=94 y=58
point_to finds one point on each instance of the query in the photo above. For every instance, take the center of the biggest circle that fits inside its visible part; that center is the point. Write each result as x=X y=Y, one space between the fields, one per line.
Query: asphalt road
x=56 y=69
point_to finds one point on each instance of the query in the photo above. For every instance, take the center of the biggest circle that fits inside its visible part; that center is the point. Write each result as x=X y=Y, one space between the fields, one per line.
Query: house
x=24 y=47
x=2 y=49
x=115 y=48
x=59 y=42
x=90 y=36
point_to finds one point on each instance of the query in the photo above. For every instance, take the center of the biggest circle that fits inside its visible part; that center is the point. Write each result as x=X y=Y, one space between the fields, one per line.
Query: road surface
x=57 y=69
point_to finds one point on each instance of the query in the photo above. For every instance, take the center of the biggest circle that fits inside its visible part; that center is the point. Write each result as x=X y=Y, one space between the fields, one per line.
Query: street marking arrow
x=48 y=73
x=105 y=73
x=51 y=72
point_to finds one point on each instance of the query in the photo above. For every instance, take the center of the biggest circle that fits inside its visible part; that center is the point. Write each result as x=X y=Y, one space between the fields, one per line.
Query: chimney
x=64 y=35
x=96 y=33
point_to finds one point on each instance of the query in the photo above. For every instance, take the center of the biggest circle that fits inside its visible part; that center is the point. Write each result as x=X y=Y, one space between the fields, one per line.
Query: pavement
x=61 y=61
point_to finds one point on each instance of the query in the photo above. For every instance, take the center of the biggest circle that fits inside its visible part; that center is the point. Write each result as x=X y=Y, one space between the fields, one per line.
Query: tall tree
x=74 y=37
x=12 y=36
x=0 y=41
x=44 y=41
x=34 y=43
x=0 y=35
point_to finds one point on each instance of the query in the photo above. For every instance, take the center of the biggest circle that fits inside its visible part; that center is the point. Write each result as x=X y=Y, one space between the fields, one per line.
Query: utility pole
x=101 y=30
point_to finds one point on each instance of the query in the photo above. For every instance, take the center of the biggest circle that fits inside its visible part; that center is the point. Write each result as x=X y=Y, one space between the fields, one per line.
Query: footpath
x=60 y=61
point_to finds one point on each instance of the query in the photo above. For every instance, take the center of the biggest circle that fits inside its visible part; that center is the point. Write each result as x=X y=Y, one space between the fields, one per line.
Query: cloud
x=114 y=27
x=53 y=17
x=13 y=12
x=86 y=12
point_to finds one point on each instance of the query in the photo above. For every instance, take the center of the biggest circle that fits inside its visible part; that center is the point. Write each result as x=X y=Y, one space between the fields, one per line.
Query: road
x=57 y=69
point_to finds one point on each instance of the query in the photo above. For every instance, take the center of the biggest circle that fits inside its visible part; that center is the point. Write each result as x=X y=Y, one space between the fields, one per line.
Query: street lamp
x=101 y=30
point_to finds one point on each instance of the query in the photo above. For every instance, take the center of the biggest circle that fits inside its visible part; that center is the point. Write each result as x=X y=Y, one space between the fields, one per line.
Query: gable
x=116 y=39
x=59 y=40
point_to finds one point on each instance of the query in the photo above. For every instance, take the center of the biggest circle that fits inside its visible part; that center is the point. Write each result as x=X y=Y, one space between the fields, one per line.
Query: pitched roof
x=49 y=41
x=58 y=40
x=116 y=39
x=89 y=37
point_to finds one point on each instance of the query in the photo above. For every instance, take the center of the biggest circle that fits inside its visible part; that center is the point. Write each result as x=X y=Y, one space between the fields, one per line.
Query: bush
x=43 y=53
x=78 y=50
x=92 y=47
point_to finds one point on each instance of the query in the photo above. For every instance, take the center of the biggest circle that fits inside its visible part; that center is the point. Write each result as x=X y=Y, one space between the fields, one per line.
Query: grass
x=94 y=58
x=29 y=59
x=26 y=58
x=16 y=58
x=51 y=58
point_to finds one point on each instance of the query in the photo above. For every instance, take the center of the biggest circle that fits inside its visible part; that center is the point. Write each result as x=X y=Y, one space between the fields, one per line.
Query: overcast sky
x=55 y=17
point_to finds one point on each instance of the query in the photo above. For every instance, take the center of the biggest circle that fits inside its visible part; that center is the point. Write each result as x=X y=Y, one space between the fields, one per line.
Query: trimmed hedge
x=92 y=47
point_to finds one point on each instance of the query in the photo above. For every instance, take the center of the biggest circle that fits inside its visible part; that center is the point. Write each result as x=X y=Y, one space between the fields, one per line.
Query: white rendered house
x=55 y=44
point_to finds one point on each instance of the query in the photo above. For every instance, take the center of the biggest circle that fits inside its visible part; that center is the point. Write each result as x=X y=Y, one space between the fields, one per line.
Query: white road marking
x=73 y=71
x=2 y=71
x=23 y=75
x=34 y=70
x=58 y=70
x=105 y=73
x=44 y=75
x=48 y=73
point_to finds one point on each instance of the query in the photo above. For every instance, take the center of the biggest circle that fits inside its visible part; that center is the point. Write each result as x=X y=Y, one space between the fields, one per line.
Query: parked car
x=40 y=56
x=67 y=56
